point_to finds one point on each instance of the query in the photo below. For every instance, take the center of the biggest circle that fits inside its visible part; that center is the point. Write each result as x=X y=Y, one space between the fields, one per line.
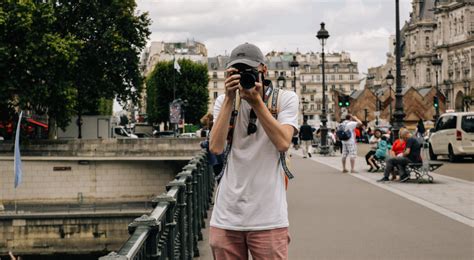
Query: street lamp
x=281 y=81
x=437 y=63
x=399 y=114
x=294 y=64
x=323 y=35
x=390 y=79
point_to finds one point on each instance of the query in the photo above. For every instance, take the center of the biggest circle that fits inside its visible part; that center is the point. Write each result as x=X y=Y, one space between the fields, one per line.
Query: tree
x=113 y=35
x=190 y=85
x=34 y=62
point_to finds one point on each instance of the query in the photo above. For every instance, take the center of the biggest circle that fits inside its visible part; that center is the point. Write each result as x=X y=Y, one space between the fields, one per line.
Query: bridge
x=332 y=216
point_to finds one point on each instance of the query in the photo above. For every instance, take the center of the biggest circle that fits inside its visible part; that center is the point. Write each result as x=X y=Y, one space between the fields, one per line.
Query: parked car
x=453 y=135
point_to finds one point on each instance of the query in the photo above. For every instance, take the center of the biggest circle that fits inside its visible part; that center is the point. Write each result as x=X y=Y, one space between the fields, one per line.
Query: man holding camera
x=250 y=211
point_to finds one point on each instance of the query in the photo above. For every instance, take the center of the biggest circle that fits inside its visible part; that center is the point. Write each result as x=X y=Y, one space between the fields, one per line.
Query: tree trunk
x=52 y=129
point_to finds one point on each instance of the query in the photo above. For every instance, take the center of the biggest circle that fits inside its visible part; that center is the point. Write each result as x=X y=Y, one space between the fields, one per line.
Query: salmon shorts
x=236 y=245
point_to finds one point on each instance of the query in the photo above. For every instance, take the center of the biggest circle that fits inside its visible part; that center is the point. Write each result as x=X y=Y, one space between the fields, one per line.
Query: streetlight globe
x=281 y=81
x=390 y=79
x=323 y=34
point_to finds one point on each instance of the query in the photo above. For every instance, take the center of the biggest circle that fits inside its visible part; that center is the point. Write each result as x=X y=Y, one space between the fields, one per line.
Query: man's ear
x=264 y=68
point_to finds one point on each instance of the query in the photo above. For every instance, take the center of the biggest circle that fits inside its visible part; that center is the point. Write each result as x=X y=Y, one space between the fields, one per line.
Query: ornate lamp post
x=399 y=114
x=294 y=64
x=281 y=81
x=389 y=79
x=323 y=35
x=437 y=63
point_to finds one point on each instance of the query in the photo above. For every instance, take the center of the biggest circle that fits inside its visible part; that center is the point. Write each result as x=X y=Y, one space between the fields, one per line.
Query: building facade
x=442 y=29
x=341 y=72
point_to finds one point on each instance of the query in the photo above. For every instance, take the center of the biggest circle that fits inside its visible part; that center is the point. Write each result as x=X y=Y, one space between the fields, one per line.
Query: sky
x=360 y=27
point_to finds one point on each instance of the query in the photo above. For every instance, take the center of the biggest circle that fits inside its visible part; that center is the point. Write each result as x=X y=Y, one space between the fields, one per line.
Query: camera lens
x=247 y=80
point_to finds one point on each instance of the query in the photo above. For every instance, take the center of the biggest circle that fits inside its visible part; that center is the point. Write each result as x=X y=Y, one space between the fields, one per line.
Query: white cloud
x=360 y=27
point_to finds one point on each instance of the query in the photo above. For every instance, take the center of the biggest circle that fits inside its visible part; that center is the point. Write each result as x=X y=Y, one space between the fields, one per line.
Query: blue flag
x=17 y=160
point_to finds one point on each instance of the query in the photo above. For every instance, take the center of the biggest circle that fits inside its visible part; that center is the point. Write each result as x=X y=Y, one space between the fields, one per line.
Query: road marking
x=443 y=211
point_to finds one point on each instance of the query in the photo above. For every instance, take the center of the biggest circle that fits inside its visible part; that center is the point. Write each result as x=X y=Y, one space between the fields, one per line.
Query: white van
x=453 y=135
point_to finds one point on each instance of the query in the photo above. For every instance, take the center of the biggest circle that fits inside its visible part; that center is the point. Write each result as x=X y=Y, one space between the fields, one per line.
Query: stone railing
x=173 y=228
x=147 y=147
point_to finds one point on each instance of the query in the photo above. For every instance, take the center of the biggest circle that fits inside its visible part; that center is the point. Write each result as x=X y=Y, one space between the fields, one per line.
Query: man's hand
x=232 y=83
x=252 y=96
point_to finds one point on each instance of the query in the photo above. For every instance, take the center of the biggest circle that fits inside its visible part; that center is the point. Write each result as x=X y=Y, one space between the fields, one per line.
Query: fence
x=173 y=228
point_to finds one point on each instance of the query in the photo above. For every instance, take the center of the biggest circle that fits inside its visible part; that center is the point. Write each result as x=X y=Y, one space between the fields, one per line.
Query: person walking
x=349 y=146
x=306 y=137
x=250 y=214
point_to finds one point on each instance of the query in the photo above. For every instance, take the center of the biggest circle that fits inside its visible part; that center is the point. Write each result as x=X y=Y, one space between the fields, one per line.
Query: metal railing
x=173 y=228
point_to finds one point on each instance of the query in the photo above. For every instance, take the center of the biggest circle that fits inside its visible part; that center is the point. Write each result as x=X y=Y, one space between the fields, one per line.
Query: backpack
x=343 y=134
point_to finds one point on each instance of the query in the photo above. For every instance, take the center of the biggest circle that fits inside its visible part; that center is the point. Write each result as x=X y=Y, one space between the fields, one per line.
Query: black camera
x=248 y=75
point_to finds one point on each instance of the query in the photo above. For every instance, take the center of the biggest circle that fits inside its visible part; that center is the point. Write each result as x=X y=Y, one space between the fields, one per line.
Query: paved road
x=462 y=169
x=337 y=216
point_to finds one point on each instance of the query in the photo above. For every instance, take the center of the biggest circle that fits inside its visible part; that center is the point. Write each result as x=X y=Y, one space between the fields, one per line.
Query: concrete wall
x=63 y=235
x=97 y=181
x=146 y=147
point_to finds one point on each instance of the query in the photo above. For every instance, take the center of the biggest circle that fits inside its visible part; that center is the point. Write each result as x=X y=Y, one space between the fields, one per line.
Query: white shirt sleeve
x=217 y=107
x=288 y=114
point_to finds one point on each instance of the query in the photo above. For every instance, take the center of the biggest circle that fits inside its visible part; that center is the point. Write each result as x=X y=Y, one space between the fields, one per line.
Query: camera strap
x=273 y=107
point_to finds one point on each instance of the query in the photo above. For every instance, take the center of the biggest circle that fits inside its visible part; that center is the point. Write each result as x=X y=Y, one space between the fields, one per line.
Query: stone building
x=342 y=74
x=443 y=29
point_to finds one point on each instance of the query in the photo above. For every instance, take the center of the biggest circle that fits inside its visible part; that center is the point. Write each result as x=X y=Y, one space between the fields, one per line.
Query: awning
x=37 y=123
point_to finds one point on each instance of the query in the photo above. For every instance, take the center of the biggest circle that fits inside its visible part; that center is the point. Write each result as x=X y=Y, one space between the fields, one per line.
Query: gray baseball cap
x=248 y=54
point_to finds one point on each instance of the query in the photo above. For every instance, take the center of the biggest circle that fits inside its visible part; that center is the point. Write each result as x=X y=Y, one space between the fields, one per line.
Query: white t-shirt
x=251 y=195
x=350 y=125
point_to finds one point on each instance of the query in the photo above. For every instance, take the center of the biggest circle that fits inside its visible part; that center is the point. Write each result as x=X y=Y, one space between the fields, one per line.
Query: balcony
x=308 y=91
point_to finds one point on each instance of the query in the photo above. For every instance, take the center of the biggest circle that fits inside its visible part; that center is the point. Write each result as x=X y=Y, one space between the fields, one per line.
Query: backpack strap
x=273 y=105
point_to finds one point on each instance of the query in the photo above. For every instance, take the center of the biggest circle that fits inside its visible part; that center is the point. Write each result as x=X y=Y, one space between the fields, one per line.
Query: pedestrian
x=420 y=129
x=373 y=142
x=306 y=137
x=349 y=146
x=410 y=155
x=250 y=211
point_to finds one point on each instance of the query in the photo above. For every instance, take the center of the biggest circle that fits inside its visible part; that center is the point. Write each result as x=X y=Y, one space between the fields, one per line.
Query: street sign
x=175 y=112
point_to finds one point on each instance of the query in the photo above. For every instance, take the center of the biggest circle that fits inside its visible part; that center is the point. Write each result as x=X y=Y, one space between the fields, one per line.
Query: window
x=312 y=97
x=302 y=78
x=351 y=77
x=333 y=77
x=427 y=42
x=215 y=95
x=428 y=75
x=307 y=68
x=215 y=84
x=340 y=77
x=214 y=75
x=312 y=78
x=312 y=107
x=318 y=78
x=333 y=87
x=319 y=106
x=352 y=87
x=467 y=124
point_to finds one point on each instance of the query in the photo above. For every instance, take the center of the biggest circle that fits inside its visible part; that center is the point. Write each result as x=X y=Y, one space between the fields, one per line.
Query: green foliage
x=66 y=57
x=191 y=85
x=35 y=61
x=106 y=107
x=113 y=35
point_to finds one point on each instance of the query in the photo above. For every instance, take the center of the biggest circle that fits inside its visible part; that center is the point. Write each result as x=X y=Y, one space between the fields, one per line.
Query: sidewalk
x=449 y=196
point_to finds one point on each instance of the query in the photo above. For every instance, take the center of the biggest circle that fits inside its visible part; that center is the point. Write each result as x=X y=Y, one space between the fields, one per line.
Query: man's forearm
x=274 y=130
x=221 y=127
